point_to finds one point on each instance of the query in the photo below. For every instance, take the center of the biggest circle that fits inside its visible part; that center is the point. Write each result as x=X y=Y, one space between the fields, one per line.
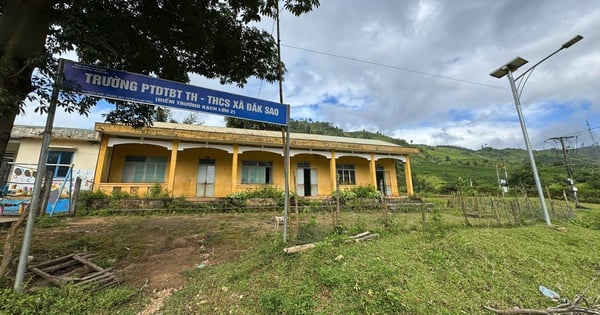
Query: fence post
x=75 y=197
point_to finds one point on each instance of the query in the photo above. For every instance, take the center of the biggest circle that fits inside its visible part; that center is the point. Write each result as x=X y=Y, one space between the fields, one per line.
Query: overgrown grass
x=68 y=300
x=437 y=268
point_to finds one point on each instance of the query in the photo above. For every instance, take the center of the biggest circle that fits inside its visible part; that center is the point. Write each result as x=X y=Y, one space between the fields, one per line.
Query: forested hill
x=439 y=169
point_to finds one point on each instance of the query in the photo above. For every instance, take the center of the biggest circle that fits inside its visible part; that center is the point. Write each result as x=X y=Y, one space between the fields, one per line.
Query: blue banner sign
x=126 y=86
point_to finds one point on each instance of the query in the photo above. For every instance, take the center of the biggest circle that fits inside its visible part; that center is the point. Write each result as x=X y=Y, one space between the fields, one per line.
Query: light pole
x=508 y=70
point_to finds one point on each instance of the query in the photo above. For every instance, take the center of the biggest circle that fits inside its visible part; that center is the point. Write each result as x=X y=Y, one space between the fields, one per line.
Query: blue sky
x=419 y=70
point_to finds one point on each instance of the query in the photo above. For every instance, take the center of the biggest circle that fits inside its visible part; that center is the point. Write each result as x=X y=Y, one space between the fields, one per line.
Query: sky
x=419 y=70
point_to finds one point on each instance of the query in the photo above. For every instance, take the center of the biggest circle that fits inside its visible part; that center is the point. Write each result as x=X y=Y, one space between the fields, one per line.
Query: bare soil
x=152 y=252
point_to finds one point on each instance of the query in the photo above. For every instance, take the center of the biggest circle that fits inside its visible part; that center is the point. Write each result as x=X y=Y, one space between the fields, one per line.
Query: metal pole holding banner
x=286 y=155
x=37 y=187
x=286 y=166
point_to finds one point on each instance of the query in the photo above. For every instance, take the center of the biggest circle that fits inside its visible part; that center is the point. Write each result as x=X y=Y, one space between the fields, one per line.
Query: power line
x=393 y=67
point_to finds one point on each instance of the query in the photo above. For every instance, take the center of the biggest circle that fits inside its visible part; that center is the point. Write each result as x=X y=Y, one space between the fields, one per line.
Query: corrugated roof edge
x=269 y=133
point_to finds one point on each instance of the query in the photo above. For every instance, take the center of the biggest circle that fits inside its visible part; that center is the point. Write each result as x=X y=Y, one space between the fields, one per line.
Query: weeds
x=49 y=221
x=67 y=300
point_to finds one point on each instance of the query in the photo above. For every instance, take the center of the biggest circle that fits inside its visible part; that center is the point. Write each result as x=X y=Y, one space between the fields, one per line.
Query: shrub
x=88 y=194
x=157 y=192
x=368 y=191
x=311 y=231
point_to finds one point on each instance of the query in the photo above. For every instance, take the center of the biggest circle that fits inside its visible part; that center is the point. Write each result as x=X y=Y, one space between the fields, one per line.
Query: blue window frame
x=59 y=163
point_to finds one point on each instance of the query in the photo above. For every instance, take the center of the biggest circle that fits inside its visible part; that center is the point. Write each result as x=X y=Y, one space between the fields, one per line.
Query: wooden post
x=383 y=202
x=46 y=188
x=295 y=183
x=529 y=208
x=336 y=213
x=519 y=210
x=478 y=205
x=495 y=211
x=551 y=203
x=464 y=208
x=75 y=197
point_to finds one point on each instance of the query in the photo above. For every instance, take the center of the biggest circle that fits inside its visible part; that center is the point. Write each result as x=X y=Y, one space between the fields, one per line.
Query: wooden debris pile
x=76 y=270
x=354 y=238
x=579 y=305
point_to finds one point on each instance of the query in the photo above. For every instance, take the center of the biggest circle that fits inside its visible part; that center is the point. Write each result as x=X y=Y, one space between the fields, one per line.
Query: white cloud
x=419 y=69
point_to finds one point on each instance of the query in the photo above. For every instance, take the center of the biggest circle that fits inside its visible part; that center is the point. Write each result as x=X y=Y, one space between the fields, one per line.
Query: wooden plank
x=360 y=234
x=46 y=276
x=299 y=248
x=95 y=279
x=53 y=261
x=59 y=266
x=87 y=263
x=92 y=275
x=366 y=237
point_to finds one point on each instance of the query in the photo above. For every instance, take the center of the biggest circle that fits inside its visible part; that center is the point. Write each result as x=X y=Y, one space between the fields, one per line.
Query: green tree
x=162 y=114
x=250 y=124
x=167 y=38
x=192 y=119
x=523 y=176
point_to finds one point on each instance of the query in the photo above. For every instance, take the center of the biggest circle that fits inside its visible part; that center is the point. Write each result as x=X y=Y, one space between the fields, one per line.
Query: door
x=205 y=186
x=306 y=180
x=383 y=180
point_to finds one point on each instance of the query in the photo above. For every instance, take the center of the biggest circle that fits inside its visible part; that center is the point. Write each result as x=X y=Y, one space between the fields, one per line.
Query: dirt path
x=152 y=252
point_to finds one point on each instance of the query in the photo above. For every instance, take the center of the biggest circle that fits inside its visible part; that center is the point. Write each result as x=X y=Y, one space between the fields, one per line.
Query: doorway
x=382 y=177
x=205 y=186
x=306 y=180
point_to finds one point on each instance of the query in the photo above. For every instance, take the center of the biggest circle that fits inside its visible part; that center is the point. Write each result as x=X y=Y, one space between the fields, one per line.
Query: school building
x=197 y=162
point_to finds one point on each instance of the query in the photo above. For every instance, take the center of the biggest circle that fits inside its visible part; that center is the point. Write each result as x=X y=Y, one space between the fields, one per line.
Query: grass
x=435 y=267
x=412 y=272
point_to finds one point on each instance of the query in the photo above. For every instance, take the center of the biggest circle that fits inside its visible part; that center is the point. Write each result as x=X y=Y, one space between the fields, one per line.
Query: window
x=257 y=172
x=346 y=174
x=59 y=162
x=144 y=169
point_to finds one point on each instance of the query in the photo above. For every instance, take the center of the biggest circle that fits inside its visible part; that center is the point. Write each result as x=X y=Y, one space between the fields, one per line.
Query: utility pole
x=570 y=179
x=591 y=134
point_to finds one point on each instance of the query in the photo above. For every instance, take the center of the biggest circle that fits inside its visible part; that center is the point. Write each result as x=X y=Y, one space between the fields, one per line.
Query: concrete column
x=234 y=168
x=100 y=162
x=172 y=166
x=372 y=171
x=408 y=175
x=333 y=172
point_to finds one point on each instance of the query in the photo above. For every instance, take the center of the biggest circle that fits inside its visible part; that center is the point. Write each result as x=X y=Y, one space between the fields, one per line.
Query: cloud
x=419 y=69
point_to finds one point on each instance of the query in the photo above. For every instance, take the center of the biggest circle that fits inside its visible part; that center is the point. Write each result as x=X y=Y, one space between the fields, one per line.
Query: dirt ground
x=152 y=252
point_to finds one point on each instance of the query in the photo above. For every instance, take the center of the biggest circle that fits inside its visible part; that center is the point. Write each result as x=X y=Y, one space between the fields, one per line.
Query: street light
x=508 y=69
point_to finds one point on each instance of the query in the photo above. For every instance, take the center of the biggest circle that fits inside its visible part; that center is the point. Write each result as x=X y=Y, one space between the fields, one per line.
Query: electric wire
x=314 y=51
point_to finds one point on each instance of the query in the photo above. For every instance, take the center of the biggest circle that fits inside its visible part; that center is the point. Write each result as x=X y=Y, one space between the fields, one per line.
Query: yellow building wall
x=119 y=153
x=186 y=170
x=278 y=168
x=186 y=173
x=361 y=169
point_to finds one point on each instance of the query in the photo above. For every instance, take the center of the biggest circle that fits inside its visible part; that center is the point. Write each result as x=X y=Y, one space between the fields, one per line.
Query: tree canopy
x=166 y=38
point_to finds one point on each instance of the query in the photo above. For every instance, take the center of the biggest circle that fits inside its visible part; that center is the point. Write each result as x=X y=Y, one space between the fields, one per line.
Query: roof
x=21 y=131
x=198 y=133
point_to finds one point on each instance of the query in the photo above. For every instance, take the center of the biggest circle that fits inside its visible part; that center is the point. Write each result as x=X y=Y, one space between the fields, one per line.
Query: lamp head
x=512 y=66
x=572 y=42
